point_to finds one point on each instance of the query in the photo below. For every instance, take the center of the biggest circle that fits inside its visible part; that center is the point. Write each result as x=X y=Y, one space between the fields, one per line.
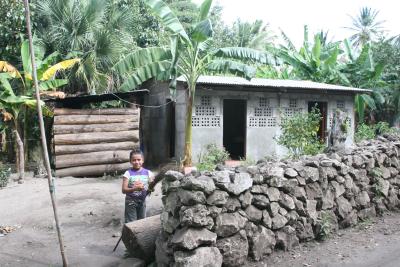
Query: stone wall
x=231 y=215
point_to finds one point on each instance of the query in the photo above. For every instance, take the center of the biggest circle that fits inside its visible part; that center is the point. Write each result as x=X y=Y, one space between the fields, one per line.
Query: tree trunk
x=21 y=160
x=87 y=128
x=106 y=111
x=102 y=157
x=140 y=236
x=93 y=170
x=86 y=148
x=188 y=133
x=94 y=119
x=90 y=138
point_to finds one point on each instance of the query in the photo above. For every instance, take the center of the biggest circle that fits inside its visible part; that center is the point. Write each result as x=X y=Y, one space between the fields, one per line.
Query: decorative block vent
x=292 y=103
x=340 y=105
x=206 y=121
x=205 y=111
x=289 y=112
x=267 y=112
x=205 y=101
x=262 y=122
x=264 y=102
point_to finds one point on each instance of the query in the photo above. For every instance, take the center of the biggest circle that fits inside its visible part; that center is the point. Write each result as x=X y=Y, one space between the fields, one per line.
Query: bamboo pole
x=43 y=135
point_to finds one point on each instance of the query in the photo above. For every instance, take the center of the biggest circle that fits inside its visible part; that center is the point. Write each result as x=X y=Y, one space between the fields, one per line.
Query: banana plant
x=190 y=55
x=24 y=86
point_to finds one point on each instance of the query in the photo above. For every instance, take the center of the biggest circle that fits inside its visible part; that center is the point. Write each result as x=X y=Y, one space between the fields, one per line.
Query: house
x=244 y=116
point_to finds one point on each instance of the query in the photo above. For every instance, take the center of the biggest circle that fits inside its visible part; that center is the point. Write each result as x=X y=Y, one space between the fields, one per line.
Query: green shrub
x=367 y=132
x=212 y=157
x=4 y=176
x=299 y=134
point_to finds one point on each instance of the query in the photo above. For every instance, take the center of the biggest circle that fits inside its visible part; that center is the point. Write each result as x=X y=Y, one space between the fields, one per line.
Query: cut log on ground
x=86 y=148
x=93 y=119
x=140 y=236
x=88 y=128
x=92 y=158
x=91 y=138
x=106 y=111
x=92 y=170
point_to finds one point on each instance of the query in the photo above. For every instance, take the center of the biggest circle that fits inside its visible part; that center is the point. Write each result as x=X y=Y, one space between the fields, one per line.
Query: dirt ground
x=91 y=212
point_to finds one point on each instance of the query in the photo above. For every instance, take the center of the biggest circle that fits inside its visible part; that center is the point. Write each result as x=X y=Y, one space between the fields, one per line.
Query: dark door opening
x=234 y=131
x=322 y=108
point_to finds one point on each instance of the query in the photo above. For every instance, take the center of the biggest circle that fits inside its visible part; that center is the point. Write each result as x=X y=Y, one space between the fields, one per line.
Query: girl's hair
x=135 y=152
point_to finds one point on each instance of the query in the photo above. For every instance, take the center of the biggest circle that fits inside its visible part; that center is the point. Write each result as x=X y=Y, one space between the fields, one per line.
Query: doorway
x=234 y=130
x=322 y=107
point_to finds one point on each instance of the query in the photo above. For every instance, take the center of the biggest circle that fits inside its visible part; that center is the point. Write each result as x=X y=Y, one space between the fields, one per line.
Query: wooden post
x=21 y=157
x=43 y=135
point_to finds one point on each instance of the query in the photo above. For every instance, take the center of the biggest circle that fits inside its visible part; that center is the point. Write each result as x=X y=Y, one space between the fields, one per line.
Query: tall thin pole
x=43 y=135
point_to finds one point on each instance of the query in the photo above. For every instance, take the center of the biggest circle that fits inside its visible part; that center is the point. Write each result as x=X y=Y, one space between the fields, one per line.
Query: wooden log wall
x=94 y=142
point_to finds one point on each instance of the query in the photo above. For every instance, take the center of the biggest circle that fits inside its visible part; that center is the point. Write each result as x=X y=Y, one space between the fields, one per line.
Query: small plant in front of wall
x=300 y=134
x=325 y=226
x=368 y=132
x=247 y=161
x=212 y=156
x=4 y=175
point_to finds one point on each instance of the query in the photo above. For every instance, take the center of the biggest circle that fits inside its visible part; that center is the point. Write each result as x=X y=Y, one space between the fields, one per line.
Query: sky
x=292 y=15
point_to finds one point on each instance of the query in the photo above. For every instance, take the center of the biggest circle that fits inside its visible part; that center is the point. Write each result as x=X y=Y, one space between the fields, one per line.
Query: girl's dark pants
x=135 y=209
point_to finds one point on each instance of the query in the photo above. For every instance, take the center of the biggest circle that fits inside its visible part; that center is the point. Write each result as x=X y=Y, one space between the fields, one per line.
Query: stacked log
x=94 y=142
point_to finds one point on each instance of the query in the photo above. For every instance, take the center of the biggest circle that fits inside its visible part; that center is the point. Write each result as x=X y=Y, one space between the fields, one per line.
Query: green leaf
x=242 y=53
x=204 y=9
x=369 y=101
x=26 y=58
x=202 y=31
x=145 y=73
x=231 y=67
x=52 y=84
x=168 y=18
x=142 y=57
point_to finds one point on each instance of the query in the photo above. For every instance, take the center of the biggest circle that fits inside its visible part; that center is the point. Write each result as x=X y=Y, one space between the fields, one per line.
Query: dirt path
x=91 y=211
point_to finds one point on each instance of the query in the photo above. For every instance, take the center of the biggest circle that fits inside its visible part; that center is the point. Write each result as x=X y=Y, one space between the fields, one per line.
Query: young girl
x=135 y=184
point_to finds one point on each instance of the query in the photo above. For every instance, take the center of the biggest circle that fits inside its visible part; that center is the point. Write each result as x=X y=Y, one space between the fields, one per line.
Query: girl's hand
x=138 y=186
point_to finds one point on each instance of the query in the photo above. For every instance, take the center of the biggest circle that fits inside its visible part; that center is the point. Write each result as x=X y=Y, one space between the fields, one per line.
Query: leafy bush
x=299 y=134
x=4 y=176
x=212 y=156
x=367 y=132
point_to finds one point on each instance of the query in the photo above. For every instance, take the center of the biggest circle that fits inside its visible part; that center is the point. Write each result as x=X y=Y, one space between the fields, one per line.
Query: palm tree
x=365 y=26
x=190 y=54
x=98 y=31
x=253 y=35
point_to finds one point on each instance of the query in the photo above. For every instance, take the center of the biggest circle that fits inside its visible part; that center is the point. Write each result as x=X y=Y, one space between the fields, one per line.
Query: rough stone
x=363 y=199
x=290 y=173
x=273 y=193
x=196 y=216
x=246 y=199
x=232 y=204
x=218 y=198
x=274 y=208
x=278 y=221
x=214 y=211
x=202 y=183
x=292 y=216
x=286 y=201
x=267 y=221
x=228 y=224
x=173 y=176
x=343 y=207
x=258 y=179
x=234 y=249
x=367 y=213
x=311 y=209
x=286 y=239
x=328 y=200
x=191 y=198
x=222 y=177
x=261 y=241
x=351 y=219
x=190 y=238
x=385 y=173
x=202 y=256
x=311 y=174
x=313 y=191
x=169 y=186
x=277 y=181
x=289 y=186
x=327 y=173
x=168 y=222
x=171 y=203
x=164 y=252
x=300 y=193
x=260 y=201
x=339 y=189
x=253 y=214
x=304 y=230
x=259 y=189
x=240 y=183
